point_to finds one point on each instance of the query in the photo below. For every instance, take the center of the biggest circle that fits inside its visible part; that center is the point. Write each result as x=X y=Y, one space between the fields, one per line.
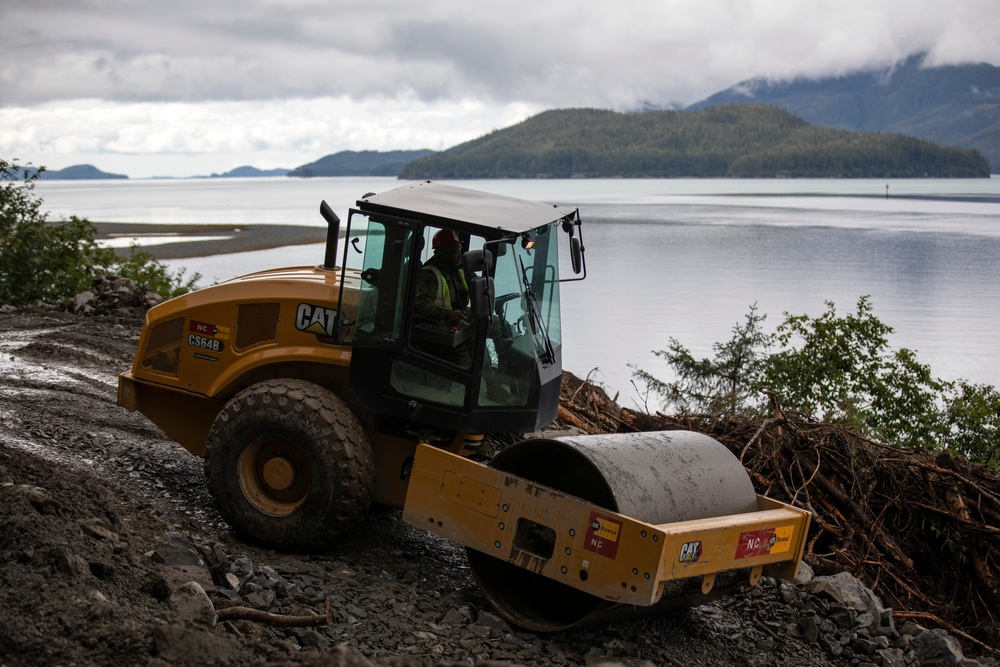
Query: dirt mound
x=76 y=583
x=113 y=295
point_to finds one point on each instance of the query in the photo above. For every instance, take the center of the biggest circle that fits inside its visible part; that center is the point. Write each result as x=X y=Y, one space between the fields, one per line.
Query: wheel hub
x=274 y=476
x=279 y=473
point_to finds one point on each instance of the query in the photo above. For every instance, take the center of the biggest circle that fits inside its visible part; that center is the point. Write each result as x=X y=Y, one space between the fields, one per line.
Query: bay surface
x=681 y=258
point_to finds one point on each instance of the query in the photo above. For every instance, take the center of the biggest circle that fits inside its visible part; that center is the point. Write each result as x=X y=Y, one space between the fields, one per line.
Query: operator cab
x=497 y=370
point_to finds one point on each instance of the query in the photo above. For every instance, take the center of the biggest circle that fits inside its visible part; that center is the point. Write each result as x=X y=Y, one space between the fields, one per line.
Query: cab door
x=401 y=365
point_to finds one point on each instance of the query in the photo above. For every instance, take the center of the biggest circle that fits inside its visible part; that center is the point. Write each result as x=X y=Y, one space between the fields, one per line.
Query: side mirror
x=574 y=229
x=481 y=296
x=478 y=262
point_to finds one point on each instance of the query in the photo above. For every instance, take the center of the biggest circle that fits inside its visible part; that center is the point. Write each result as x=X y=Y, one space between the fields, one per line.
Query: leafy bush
x=54 y=261
x=835 y=368
x=844 y=370
x=972 y=422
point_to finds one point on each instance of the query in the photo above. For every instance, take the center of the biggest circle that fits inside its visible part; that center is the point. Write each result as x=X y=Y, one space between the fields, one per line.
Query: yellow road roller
x=313 y=392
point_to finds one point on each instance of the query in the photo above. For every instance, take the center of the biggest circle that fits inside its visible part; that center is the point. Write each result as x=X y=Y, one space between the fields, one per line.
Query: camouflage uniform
x=429 y=302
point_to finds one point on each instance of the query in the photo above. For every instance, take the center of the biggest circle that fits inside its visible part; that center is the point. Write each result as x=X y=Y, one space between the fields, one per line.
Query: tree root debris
x=277 y=620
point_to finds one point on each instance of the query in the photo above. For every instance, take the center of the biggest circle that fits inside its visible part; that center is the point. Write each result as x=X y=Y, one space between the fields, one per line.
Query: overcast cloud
x=150 y=88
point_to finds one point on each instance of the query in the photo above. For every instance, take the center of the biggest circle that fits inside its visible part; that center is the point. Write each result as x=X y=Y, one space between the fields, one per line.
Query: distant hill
x=746 y=141
x=78 y=172
x=958 y=105
x=251 y=172
x=359 y=163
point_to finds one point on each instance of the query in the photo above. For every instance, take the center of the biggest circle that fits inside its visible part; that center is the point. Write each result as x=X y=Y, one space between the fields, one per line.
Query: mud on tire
x=289 y=465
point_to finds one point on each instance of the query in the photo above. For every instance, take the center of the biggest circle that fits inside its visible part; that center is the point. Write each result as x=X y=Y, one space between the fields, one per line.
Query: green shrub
x=841 y=369
x=835 y=368
x=54 y=261
x=972 y=422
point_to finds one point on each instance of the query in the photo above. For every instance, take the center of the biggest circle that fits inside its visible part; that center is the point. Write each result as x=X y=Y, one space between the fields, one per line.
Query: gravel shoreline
x=203 y=240
x=113 y=554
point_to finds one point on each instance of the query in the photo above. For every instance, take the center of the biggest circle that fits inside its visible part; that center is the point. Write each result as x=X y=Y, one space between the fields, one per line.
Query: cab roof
x=450 y=205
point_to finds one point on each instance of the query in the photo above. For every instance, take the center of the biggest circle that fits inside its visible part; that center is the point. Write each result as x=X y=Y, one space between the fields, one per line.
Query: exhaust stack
x=332 y=235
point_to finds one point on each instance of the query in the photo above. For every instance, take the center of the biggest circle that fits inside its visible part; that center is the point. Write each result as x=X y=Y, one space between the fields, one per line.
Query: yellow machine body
x=308 y=392
x=199 y=349
x=577 y=544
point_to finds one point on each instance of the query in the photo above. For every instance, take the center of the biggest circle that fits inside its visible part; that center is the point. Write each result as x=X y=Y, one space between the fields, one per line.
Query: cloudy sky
x=190 y=87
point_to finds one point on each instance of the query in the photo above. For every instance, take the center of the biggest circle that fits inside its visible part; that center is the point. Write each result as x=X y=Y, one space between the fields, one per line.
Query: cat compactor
x=312 y=392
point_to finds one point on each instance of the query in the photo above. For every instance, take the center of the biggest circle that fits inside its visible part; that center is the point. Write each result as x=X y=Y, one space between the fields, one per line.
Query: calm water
x=676 y=258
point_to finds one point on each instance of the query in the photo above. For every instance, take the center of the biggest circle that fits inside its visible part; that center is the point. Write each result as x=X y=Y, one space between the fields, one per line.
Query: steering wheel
x=511 y=330
x=501 y=300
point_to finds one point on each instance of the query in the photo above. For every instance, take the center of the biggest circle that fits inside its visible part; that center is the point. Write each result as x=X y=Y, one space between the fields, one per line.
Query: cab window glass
x=386 y=250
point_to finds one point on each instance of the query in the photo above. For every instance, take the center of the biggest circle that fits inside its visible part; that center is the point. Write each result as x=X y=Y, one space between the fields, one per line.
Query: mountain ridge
x=953 y=105
x=957 y=105
x=722 y=141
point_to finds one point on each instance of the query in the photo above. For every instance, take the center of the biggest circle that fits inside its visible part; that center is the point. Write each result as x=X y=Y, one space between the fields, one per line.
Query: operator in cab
x=442 y=291
x=443 y=298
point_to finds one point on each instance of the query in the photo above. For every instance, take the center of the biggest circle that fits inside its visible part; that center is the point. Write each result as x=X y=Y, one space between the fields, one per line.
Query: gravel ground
x=112 y=554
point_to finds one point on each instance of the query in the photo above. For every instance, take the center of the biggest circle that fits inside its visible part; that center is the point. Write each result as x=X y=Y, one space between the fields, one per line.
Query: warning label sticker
x=602 y=535
x=207 y=329
x=763 y=542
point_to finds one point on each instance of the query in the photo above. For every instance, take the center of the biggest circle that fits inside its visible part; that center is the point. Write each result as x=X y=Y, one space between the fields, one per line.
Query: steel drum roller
x=658 y=478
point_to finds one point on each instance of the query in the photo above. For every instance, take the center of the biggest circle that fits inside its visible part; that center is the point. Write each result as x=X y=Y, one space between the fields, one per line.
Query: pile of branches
x=921 y=529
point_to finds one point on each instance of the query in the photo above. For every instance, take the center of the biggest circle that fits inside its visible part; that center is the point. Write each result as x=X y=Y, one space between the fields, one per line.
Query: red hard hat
x=443 y=238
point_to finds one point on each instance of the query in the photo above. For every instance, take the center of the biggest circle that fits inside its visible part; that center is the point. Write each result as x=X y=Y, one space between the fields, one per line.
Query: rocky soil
x=112 y=554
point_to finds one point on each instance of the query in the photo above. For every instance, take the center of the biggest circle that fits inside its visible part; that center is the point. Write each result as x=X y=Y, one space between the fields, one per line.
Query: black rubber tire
x=289 y=465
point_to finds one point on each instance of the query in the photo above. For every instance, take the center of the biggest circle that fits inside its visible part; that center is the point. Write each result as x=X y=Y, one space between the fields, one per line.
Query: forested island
x=359 y=163
x=735 y=141
x=78 y=172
